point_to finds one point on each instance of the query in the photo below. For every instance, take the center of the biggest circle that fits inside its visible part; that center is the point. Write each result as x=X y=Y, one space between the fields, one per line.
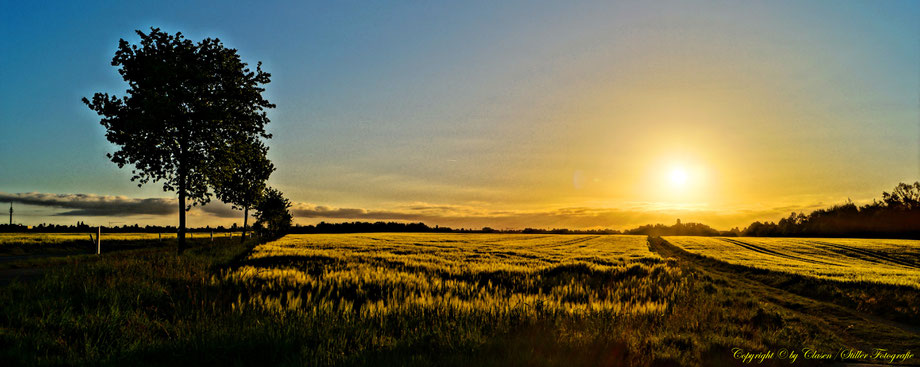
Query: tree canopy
x=241 y=182
x=272 y=214
x=187 y=109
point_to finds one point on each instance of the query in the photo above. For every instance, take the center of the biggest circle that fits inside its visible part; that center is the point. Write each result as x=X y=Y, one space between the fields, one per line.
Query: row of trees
x=380 y=226
x=194 y=119
x=678 y=229
x=896 y=215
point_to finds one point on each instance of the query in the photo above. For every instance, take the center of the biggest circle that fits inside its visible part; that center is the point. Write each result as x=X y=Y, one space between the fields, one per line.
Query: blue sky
x=516 y=113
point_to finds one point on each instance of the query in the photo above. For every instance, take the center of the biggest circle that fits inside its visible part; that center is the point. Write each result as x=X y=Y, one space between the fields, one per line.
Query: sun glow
x=679 y=177
x=680 y=183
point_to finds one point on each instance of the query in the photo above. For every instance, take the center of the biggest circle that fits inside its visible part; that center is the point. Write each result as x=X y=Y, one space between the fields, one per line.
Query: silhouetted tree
x=904 y=197
x=678 y=229
x=272 y=214
x=242 y=182
x=186 y=104
x=897 y=215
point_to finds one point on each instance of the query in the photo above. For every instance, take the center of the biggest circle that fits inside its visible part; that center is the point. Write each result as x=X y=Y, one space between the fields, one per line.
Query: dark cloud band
x=94 y=205
x=90 y=205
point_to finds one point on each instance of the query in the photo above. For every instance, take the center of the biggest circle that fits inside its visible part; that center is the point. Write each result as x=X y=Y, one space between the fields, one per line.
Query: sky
x=503 y=114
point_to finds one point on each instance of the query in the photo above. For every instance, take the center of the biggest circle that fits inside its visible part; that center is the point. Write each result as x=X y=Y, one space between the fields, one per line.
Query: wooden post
x=99 y=240
x=160 y=237
x=212 y=236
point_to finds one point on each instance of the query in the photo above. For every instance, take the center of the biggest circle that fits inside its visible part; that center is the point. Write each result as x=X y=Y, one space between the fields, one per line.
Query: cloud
x=476 y=216
x=94 y=205
x=462 y=216
x=222 y=210
x=568 y=217
x=314 y=211
x=90 y=205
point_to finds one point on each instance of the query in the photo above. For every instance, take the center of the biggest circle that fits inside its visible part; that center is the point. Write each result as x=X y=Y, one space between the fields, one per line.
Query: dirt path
x=855 y=328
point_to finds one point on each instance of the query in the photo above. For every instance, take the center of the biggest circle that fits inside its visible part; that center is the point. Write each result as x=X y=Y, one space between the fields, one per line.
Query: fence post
x=159 y=237
x=99 y=240
x=212 y=236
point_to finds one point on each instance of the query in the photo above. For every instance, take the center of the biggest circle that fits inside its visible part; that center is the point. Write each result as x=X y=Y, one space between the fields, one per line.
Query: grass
x=486 y=277
x=402 y=299
x=28 y=244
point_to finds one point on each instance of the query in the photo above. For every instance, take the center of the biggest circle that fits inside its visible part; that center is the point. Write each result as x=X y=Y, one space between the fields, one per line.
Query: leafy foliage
x=272 y=214
x=903 y=197
x=190 y=108
x=241 y=182
x=185 y=100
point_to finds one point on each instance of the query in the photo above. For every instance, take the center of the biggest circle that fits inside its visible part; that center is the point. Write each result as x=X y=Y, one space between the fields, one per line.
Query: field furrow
x=848 y=260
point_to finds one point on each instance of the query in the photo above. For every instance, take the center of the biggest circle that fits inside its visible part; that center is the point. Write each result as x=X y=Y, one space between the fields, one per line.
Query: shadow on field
x=899 y=305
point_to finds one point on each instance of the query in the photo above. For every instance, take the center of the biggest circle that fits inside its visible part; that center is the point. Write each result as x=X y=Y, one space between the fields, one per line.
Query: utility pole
x=11 y=214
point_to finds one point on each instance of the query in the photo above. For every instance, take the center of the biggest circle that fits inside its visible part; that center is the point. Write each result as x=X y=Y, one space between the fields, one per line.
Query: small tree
x=242 y=182
x=272 y=213
x=186 y=105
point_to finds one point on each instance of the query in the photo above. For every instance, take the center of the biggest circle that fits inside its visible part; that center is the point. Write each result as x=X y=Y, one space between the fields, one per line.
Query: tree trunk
x=181 y=234
x=245 y=221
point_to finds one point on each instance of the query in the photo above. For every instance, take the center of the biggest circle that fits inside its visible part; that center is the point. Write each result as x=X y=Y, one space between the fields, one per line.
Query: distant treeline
x=364 y=227
x=81 y=227
x=679 y=229
x=897 y=215
x=322 y=227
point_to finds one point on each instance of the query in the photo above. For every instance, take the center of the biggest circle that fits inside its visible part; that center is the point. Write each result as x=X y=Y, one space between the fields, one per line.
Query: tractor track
x=869 y=254
x=857 y=329
x=766 y=251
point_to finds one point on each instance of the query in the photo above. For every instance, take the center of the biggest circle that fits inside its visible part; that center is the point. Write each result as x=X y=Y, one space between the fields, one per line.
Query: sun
x=678 y=177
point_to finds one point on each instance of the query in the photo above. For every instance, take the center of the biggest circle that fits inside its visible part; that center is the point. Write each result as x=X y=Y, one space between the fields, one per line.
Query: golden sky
x=514 y=115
